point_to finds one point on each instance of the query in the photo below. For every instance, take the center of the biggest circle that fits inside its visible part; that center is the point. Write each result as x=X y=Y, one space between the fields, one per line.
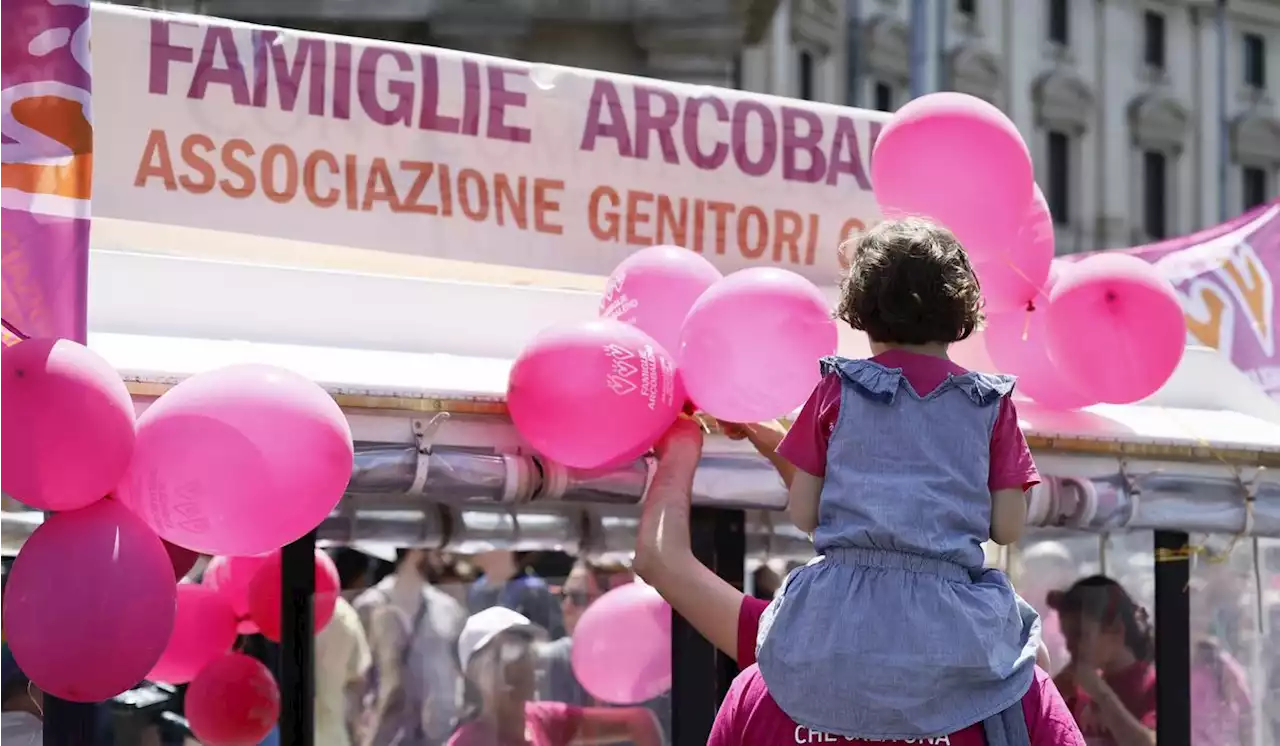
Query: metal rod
x=297 y=642
x=1224 y=125
x=69 y=723
x=1173 y=639
x=701 y=674
x=919 y=47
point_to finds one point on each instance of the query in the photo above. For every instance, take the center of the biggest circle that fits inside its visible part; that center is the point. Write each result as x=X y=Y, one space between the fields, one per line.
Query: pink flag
x=47 y=167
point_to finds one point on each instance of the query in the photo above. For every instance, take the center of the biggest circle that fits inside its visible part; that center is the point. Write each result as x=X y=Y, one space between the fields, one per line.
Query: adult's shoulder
x=1049 y=719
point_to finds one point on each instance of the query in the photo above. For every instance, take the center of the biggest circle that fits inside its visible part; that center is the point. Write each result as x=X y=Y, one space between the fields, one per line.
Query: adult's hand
x=664 y=558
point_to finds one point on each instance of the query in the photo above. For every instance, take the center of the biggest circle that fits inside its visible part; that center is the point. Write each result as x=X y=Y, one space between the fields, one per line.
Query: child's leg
x=1042 y=657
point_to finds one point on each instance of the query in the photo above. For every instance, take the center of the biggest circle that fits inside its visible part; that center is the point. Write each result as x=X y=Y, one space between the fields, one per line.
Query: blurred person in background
x=413 y=690
x=765 y=581
x=1045 y=566
x=497 y=654
x=1221 y=708
x=342 y=657
x=505 y=581
x=1109 y=682
x=587 y=581
x=22 y=719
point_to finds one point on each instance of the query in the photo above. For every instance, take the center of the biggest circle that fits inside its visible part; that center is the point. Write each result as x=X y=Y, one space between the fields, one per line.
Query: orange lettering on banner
x=1208 y=329
x=236 y=168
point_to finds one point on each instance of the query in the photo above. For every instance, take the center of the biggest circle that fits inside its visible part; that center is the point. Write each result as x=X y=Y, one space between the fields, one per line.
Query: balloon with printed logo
x=959 y=161
x=265 y=589
x=594 y=393
x=1014 y=275
x=232 y=701
x=1018 y=343
x=750 y=346
x=239 y=460
x=231 y=576
x=89 y=603
x=68 y=424
x=203 y=629
x=1116 y=328
x=654 y=289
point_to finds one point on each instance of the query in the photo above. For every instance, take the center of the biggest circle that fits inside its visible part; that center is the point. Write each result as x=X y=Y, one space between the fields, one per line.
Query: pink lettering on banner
x=391 y=87
x=47 y=167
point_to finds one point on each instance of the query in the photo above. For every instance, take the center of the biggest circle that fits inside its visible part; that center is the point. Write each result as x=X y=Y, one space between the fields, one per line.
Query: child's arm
x=802 y=500
x=805 y=449
x=1013 y=472
x=1008 y=515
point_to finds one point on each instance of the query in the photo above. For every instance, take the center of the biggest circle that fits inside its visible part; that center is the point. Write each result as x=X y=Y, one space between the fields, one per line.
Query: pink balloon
x=622 y=646
x=230 y=576
x=654 y=289
x=89 y=603
x=265 y=588
x=233 y=701
x=68 y=424
x=1018 y=343
x=1017 y=274
x=959 y=161
x=593 y=393
x=204 y=629
x=750 y=346
x=240 y=460
x=1116 y=327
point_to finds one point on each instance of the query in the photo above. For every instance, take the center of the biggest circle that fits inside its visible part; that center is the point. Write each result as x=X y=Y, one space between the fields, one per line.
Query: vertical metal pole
x=853 y=52
x=919 y=47
x=701 y=675
x=297 y=642
x=1173 y=640
x=1224 y=144
x=940 y=47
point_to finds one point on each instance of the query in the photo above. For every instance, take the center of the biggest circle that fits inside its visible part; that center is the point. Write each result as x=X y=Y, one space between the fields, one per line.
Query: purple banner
x=1225 y=277
x=46 y=158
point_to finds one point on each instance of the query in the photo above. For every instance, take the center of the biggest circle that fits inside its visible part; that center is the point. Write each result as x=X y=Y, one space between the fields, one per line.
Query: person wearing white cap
x=497 y=655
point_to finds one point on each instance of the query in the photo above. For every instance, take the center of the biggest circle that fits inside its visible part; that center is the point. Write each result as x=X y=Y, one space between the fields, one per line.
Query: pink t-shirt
x=805 y=444
x=546 y=724
x=749 y=716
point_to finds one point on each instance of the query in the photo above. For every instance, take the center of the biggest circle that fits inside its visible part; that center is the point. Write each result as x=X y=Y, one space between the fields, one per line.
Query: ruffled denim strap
x=876 y=382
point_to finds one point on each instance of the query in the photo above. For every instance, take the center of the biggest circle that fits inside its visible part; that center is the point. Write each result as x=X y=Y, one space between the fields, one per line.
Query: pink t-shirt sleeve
x=727 y=729
x=1011 y=464
x=1049 y=720
x=805 y=445
x=559 y=721
x=748 y=627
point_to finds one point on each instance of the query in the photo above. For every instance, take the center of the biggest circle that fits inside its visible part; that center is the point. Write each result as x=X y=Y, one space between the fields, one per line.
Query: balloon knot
x=1110 y=296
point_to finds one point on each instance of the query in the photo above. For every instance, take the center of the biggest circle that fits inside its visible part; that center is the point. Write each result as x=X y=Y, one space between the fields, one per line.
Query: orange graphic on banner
x=63 y=121
x=1209 y=331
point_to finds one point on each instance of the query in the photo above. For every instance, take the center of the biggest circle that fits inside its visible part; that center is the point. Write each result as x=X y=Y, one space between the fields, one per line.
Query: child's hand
x=733 y=430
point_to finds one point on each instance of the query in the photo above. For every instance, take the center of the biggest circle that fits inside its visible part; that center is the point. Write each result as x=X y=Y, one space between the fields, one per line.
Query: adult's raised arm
x=664 y=556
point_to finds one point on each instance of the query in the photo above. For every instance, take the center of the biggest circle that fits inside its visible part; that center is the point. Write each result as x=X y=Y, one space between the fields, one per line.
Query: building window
x=1059 y=177
x=1254 y=186
x=1153 y=39
x=967 y=8
x=1155 y=193
x=806 y=75
x=1255 y=61
x=883 y=97
x=1059 y=22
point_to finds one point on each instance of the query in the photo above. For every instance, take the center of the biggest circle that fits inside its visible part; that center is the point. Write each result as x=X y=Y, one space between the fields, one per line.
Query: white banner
x=211 y=124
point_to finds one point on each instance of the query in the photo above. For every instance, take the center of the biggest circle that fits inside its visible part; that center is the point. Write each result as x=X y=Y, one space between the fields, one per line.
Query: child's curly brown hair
x=910 y=283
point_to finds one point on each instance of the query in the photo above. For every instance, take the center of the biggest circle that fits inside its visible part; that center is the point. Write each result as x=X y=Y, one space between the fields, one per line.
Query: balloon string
x=1039 y=286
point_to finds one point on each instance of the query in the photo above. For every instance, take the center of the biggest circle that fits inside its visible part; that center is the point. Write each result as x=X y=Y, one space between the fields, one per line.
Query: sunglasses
x=577 y=598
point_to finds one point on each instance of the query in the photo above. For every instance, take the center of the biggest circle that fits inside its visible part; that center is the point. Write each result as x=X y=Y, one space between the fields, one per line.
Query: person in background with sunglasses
x=497 y=653
x=586 y=582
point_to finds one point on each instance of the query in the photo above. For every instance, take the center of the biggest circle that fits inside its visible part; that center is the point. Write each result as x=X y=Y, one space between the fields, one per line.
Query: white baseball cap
x=483 y=626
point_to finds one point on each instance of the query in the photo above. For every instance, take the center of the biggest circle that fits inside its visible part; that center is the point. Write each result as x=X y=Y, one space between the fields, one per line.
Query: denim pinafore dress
x=896 y=631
